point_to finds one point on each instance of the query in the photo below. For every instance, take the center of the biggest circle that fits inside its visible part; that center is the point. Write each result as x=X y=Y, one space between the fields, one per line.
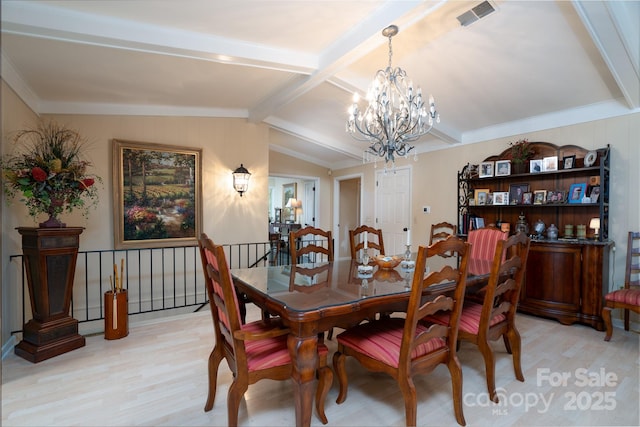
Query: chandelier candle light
x=396 y=114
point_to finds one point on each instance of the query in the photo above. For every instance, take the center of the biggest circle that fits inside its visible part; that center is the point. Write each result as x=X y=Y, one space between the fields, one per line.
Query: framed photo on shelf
x=568 y=162
x=535 y=166
x=503 y=167
x=550 y=164
x=486 y=169
x=594 y=193
x=539 y=196
x=577 y=192
x=516 y=193
x=480 y=196
x=501 y=198
x=555 y=197
x=527 y=198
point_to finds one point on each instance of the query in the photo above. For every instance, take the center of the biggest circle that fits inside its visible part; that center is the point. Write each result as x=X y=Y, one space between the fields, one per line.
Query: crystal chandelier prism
x=396 y=114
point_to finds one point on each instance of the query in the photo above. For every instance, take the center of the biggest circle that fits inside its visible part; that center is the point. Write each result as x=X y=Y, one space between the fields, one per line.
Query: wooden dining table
x=337 y=294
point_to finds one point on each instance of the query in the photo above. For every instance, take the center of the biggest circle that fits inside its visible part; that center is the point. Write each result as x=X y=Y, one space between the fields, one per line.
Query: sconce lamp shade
x=241 y=179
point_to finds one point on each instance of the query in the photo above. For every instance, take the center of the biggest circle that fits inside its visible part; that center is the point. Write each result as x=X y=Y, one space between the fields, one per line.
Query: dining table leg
x=304 y=354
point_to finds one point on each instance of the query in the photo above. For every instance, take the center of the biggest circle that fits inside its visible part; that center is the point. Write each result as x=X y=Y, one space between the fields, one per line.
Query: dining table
x=312 y=298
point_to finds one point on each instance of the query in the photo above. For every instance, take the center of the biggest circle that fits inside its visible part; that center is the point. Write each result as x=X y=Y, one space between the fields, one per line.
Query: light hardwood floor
x=157 y=376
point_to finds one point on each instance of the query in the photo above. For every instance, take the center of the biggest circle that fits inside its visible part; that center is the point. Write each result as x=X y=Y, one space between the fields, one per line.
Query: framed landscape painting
x=157 y=195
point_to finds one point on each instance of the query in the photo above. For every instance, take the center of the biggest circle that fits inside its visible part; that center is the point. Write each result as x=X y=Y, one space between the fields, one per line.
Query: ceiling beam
x=50 y=22
x=351 y=46
x=613 y=27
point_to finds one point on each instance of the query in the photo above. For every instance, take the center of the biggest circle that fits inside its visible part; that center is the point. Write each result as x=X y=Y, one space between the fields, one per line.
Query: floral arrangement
x=521 y=151
x=48 y=171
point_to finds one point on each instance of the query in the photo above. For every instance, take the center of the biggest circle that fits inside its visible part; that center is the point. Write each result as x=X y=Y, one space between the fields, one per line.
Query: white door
x=393 y=208
x=309 y=211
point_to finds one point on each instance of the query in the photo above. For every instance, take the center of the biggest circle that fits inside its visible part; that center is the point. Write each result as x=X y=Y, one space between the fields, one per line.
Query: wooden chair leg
x=340 y=371
x=236 y=391
x=606 y=316
x=408 y=390
x=513 y=337
x=214 y=362
x=324 y=384
x=490 y=369
x=626 y=319
x=455 y=370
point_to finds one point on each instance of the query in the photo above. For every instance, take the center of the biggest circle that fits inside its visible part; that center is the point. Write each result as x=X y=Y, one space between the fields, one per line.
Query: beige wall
x=435 y=179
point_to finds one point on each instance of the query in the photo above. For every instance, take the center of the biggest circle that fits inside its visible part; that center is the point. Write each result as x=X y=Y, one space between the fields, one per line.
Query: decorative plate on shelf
x=590 y=159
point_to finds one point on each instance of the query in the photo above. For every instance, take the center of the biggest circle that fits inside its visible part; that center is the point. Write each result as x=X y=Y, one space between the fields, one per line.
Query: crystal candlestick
x=365 y=257
x=407 y=253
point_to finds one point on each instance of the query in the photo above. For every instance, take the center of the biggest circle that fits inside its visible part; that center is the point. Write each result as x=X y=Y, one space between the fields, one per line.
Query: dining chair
x=627 y=298
x=403 y=347
x=253 y=351
x=374 y=241
x=495 y=316
x=441 y=231
x=484 y=241
x=310 y=244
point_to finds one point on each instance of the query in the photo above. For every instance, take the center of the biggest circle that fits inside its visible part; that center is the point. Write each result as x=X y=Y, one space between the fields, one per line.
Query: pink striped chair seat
x=269 y=353
x=382 y=339
x=469 y=320
x=625 y=296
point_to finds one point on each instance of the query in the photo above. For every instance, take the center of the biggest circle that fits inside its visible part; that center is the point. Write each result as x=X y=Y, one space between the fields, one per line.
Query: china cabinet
x=567 y=275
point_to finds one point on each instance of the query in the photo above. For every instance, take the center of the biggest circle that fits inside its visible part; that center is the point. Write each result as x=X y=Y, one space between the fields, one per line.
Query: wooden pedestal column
x=50 y=263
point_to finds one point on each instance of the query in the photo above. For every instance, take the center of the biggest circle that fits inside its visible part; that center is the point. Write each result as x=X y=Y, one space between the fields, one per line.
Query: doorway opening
x=347 y=212
x=293 y=202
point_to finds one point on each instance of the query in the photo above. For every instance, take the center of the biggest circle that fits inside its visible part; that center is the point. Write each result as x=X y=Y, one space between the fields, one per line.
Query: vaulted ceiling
x=295 y=65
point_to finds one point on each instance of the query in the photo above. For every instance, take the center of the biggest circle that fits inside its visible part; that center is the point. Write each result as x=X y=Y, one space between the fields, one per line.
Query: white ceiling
x=294 y=65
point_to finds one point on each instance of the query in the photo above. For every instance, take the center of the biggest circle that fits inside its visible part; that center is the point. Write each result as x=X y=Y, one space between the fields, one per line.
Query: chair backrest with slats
x=441 y=231
x=223 y=299
x=374 y=241
x=632 y=274
x=310 y=244
x=505 y=280
x=417 y=310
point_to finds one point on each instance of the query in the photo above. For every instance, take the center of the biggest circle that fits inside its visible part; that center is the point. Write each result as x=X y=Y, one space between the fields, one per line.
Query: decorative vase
x=519 y=167
x=522 y=225
x=49 y=256
x=53 y=221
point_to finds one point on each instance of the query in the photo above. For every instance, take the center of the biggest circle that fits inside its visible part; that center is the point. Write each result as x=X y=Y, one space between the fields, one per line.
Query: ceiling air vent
x=475 y=13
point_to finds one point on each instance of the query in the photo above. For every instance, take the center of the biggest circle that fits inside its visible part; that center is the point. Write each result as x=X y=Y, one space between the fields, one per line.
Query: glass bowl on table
x=387 y=262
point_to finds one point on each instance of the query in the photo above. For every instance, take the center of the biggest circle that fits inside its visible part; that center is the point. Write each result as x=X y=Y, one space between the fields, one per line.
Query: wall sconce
x=241 y=179
x=595 y=224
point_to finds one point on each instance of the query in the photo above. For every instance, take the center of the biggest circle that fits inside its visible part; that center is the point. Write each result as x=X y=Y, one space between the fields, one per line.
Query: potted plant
x=48 y=171
x=520 y=152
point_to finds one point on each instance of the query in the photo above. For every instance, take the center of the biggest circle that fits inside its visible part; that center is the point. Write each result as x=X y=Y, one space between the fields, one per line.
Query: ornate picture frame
x=289 y=191
x=157 y=195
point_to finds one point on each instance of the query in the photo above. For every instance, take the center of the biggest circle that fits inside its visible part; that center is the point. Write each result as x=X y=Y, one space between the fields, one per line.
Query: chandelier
x=396 y=114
